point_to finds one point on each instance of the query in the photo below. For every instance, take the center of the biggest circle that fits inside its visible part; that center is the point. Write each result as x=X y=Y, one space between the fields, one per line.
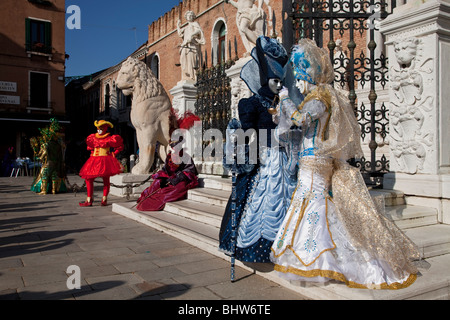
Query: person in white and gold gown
x=333 y=230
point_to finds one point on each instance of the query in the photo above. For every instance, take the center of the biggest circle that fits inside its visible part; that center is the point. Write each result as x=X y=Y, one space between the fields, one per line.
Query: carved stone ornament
x=239 y=90
x=411 y=141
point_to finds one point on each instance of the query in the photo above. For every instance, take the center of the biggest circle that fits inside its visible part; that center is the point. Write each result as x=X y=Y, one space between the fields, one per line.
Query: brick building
x=218 y=22
x=32 y=62
x=161 y=54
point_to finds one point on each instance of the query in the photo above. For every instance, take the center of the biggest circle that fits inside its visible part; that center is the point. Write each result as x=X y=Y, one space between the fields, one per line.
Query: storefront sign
x=8 y=86
x=9 y=99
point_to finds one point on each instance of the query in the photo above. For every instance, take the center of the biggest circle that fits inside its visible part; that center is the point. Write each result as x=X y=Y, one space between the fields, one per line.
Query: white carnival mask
x=275 y=85
x=303 y=86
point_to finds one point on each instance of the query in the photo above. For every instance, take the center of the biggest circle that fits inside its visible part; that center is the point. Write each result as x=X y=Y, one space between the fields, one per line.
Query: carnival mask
x=311 y=63
x=102 y=130
x=303 y=86
x=275 y=85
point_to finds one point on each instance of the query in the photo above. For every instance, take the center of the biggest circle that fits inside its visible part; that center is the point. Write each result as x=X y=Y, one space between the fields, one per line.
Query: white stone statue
x=150 y=111
x=190 y=48
x=250 y=20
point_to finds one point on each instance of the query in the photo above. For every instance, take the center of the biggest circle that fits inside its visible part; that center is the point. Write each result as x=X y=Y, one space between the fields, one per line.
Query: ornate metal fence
x=213 y=104
x=361 y=66
x=213 y=97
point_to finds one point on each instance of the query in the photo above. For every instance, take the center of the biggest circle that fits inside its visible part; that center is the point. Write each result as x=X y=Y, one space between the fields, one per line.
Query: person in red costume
x=102 y=162
x=178 y=175
x=171 y=183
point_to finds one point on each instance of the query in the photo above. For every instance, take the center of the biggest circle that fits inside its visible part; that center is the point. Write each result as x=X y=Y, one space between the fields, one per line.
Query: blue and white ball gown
x=263 y=190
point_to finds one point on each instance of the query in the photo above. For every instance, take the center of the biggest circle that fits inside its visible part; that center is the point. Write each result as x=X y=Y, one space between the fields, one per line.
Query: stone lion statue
x=150 y=114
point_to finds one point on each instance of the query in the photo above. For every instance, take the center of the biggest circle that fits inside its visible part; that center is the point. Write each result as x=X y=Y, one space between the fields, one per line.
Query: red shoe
x=104 y=202
x=86 y=203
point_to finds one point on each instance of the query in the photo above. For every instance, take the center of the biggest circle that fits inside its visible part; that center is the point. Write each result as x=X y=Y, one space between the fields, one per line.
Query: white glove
x=284 y=92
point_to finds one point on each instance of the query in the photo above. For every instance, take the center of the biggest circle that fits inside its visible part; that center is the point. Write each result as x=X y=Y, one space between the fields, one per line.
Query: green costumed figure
x=49 y=148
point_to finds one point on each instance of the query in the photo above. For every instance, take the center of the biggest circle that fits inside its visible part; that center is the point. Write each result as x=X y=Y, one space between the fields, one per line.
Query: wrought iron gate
x=213 y=103
x=357 y=66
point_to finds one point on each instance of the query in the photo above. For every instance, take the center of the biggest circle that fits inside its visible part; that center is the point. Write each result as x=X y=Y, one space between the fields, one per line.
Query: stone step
x=215 y=182
x=201 y=235
x=197 y=219
x=409 y=216
x=215 y=197
x=433 y=241
x=197 y=211
x=391 y=197
x=405 y=216
x=433 y=283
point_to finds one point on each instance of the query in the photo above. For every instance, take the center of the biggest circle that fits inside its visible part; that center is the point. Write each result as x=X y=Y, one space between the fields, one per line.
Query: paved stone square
x=119 y=259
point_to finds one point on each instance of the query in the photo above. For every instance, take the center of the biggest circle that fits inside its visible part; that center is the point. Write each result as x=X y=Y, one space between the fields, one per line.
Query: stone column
x=417 y=37
x=239 y=89
x=184 y=98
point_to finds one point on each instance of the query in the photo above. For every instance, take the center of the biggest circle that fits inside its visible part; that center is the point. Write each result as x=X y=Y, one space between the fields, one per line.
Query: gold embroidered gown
x=332 y=229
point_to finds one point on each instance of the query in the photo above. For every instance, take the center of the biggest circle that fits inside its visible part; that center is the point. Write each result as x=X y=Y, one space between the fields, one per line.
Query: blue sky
x=106 y=36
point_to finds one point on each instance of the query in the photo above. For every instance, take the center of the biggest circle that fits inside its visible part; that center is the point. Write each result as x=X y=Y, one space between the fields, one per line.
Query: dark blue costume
x=263 y=190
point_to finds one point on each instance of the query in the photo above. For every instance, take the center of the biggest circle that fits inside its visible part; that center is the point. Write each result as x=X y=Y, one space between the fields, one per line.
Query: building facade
x=32 y=63
x=218 y=21
x=161 y=53
x=394 y=73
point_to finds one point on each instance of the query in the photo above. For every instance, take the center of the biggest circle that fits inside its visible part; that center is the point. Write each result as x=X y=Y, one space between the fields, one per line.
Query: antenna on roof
x=135 y=36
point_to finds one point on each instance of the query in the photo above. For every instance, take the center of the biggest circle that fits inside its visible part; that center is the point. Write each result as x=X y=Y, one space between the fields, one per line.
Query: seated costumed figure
x=333 y=229
x=177 y=176
x=49 y=148
x=263 y=187
x=102 y=163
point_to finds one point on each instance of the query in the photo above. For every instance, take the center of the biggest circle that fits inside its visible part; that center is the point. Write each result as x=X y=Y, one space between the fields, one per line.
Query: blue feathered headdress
x=311 y=63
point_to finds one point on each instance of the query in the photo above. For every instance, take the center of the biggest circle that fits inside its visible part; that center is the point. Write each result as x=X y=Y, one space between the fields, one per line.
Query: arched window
x=219 y=41
x=222 y=44
x=154 y=65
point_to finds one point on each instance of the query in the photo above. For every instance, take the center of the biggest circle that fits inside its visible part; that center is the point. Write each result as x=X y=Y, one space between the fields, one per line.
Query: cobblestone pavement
x=118 y=259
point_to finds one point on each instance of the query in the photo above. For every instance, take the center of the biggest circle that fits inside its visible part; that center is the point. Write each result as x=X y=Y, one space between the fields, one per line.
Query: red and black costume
x=171 y=183
x=102 y=162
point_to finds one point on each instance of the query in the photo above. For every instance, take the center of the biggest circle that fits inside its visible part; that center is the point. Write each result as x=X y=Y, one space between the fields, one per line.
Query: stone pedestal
x=132 y=179
x=418 y=47
x=184 y=98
